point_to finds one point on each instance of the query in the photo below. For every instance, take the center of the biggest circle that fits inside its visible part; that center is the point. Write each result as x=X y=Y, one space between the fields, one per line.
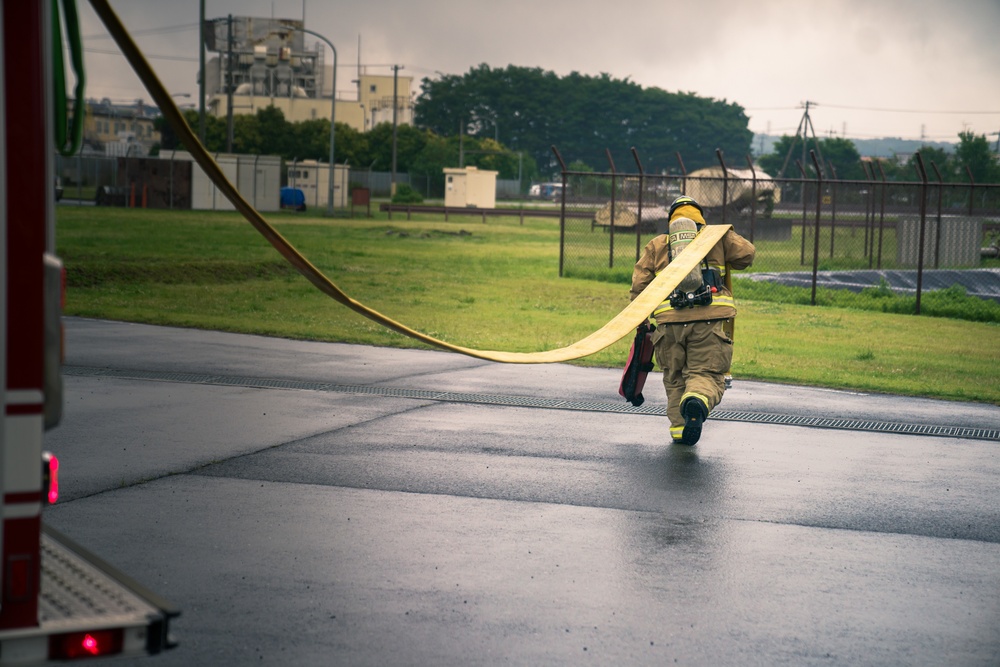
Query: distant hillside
x=763 y=144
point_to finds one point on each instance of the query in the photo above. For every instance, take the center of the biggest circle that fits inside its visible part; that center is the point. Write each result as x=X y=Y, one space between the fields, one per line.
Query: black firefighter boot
x=695 y=413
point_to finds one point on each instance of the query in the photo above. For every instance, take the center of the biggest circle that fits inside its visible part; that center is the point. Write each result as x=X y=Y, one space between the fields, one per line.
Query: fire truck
x=58 y=602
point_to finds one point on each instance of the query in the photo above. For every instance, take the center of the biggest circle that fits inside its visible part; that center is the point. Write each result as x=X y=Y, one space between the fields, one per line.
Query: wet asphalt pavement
x=370 y=523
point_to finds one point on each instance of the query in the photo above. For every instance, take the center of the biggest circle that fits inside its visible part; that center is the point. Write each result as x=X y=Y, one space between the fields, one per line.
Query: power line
x=148 y=31
x=150 y=56
x=924 y=111
x=879 y=109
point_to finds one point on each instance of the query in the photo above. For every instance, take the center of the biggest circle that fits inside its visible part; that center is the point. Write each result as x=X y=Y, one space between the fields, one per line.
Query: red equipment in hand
x=638 y=366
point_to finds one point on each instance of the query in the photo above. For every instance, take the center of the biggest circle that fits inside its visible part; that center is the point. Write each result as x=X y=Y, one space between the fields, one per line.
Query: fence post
x=753 y=194
x=562 y=215
x=923 y=222
x=684 y=173
x=868 y=206
x=819 y=206
x=638 y=220
x=256 y=158
x=128 y=183
x=725 y=184
x=170 y=186
x=833 y=204
x=972 y=188
x=802 y=172
x=611 y=229
x=937 y=234
x=871 y=245
x=881 y=214
x=870 y=176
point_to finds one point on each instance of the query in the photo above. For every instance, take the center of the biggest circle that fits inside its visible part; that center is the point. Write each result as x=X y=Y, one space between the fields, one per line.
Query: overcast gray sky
x=902 y=68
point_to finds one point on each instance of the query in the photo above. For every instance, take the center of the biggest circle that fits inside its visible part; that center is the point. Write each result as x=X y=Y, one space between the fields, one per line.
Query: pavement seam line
x=509 y=400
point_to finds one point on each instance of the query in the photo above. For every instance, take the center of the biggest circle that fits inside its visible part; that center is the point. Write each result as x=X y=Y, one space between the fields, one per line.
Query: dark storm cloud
x=769 y=56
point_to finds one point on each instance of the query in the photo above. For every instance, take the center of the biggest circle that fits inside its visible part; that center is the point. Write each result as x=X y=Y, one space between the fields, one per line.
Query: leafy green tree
x=531 y=110
x=215 y=132
x=409 y=142
x=275 y=132
x=938 y=157
x=247 y=135
x=310 y=140
x=896 y=170
x=419 y=150
x=973 y=154
x=788 y=152
x=843 y=155
x=438 y=153
x=352 y=147
x=486 y=153
x=773 y=161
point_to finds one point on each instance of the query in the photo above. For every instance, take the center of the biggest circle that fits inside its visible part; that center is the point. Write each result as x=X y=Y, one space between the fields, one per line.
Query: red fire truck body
x=58 y=602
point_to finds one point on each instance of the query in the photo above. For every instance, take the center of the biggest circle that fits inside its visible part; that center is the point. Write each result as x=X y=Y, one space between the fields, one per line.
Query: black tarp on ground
x=983 y=283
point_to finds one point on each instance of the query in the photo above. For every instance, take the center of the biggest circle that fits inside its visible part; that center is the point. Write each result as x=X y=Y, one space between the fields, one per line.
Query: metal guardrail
x=448 y=211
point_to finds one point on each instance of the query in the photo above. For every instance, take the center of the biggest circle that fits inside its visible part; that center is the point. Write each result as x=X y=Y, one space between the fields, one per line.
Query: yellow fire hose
x=617 y=328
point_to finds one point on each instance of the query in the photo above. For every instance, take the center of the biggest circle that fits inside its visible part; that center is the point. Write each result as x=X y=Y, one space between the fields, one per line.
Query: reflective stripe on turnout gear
x=719 y=300
x=696 y=395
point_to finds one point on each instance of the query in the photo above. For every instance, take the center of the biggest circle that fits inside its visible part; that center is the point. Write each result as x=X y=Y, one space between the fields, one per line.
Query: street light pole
x=229 y=85
x=333 y=111
x=395 y=86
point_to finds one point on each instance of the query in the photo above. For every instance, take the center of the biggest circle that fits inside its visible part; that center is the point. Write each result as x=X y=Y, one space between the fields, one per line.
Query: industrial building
x=262 y=62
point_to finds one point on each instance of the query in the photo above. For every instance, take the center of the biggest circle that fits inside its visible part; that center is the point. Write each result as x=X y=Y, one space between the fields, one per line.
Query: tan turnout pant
x=695 y=357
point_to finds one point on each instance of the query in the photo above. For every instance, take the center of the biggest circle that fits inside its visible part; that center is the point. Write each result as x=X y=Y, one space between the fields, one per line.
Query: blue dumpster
x=293 y=198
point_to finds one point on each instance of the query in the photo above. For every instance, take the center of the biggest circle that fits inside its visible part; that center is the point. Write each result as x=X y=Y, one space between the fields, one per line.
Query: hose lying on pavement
x=617 y=328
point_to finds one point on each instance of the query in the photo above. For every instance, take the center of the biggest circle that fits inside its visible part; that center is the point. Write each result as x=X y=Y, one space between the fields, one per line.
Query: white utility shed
x=470 y=187
x=257 y=177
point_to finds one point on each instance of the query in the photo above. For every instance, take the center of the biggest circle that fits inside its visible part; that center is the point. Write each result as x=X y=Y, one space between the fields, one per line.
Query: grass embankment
x=492 y=286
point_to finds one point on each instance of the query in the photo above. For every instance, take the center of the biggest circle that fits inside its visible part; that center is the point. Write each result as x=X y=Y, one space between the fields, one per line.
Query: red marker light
x=50 y=476
x=90 y=645
x=86 y=644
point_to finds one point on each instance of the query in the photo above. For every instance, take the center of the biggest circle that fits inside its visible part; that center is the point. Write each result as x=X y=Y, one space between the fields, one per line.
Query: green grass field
x=487 y=286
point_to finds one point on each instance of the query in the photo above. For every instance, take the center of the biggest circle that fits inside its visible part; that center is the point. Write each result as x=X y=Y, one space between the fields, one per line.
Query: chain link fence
x=103 y=180
x=813 y=235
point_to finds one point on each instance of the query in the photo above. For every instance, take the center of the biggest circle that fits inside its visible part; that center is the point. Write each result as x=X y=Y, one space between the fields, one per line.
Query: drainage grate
x=532 y=402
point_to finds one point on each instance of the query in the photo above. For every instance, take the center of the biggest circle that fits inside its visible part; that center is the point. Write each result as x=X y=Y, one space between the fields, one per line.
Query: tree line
x=418 y=150
x=972 y=155
x=508 y=120
x=584 y=117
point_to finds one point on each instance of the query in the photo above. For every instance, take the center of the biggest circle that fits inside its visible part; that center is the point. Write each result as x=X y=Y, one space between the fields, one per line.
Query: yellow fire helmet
x=684 y=200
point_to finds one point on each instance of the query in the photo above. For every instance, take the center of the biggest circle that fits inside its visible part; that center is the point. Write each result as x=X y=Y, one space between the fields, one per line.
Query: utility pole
x=395 y=106
x=229 y=85
x=201 y=70
x=805 y=124
x=333 y=116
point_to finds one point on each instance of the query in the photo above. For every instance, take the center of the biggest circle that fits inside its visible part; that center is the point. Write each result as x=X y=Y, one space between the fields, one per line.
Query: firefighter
x=690 y=340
